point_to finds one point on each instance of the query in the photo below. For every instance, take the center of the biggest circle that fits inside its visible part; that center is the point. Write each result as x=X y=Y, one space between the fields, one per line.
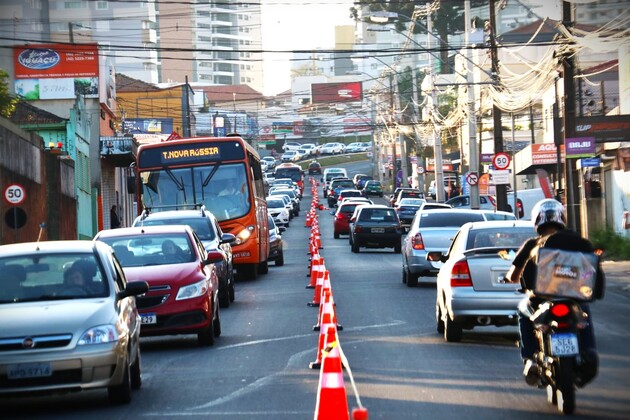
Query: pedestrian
x=114 y=219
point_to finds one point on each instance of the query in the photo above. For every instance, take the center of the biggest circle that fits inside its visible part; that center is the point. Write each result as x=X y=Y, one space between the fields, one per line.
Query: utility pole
x=391 y=119
x=401 y=139
x=473 y=156
x=437 y=138
x=568 y=75
x=501 y=190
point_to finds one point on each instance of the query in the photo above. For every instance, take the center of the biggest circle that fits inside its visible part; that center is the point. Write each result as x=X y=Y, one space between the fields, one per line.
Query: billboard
x=56 y=71
x=324 y=93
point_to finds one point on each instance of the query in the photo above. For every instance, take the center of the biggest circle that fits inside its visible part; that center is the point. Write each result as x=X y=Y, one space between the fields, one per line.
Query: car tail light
x=460 y=275
x=416 y=242
x=560 y=310
x=341 y=216
x=357 y=229
x=519 y=206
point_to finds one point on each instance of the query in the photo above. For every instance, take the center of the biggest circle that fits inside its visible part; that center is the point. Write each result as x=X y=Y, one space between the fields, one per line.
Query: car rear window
x=346 y=183
x=200 y=225
x=450 y=219
x=377 y=215
x=498 y=237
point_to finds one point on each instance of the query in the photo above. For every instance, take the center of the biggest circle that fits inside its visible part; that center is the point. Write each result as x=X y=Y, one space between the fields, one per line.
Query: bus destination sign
x=180 y=152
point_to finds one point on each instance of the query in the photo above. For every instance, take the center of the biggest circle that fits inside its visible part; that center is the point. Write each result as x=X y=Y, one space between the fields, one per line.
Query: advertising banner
x=545 y=154
x=580 y=147
x=325 y=93
x=56 y=71
x=282 y=127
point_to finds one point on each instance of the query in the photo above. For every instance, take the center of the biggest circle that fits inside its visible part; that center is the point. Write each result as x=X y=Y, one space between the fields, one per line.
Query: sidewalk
x=617 y=272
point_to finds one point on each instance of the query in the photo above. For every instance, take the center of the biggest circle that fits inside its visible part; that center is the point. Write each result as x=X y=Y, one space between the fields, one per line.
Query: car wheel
x=216 y=325
x=439 y=322
x=355 y=247
x=121 y=394
x=412 y=279
x=336 y=235
x=263 y=267
x=397 y=248
x=224 y=295
x=205 y=337
x=404 y=275
x=136 y=372
x=231 y=288
x=452 y=330
x=280 y=259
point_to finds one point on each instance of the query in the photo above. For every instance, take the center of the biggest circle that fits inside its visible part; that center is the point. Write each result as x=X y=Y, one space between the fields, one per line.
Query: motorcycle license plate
x=564 y=344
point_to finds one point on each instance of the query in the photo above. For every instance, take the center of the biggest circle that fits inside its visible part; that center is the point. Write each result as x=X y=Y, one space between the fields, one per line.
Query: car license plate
x=378 y=230
x=29 y=370
x=148 y=318
x=564 y=344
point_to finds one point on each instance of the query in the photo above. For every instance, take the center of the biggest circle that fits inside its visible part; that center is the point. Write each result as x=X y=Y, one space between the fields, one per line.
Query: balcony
x=119 y=150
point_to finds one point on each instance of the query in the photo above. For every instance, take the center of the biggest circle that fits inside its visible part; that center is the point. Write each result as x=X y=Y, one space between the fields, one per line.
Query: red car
x=183 y=296
x=342 y=218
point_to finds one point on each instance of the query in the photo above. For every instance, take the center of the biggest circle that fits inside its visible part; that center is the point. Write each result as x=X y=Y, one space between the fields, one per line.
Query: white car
x=271 y=161
x=277 y=209
x=291 y=156
x=308 y=149
x=331 y=149
x=291 y=145
x=264 y=166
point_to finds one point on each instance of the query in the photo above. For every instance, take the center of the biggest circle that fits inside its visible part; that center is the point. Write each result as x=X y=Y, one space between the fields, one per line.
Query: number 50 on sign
x=14 y=194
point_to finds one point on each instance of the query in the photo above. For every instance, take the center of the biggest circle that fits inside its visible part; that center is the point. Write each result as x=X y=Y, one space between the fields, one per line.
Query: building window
x=75 y=5
x=102 y=5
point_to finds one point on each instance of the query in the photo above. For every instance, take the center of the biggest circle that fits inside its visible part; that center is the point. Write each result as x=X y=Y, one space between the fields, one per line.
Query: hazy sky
x=295 y=25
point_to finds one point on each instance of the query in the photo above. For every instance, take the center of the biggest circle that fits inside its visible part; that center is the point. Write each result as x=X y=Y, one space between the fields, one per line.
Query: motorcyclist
x=550 y=222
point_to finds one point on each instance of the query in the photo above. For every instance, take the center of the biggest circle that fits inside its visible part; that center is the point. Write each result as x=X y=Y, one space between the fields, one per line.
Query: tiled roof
x=125 y=83
x=25 y=113
x=608 y=65
x=547 y=33
x=218 y=94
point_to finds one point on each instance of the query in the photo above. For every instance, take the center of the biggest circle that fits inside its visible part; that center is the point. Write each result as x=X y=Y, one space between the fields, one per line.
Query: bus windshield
x=295 y=173
x=223 y=189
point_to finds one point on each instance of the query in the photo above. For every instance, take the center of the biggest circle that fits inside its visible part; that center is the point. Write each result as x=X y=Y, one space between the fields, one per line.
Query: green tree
x=7 y=100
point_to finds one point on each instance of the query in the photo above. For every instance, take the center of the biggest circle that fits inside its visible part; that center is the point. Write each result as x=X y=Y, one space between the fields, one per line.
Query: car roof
x=149 y=230
x=500 y=224
x=30 y=248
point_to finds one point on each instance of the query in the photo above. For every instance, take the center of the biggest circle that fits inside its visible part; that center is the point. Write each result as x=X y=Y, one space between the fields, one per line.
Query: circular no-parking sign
x=501 y=160
x=472 y=178
x=15 y=194
x=420 y=170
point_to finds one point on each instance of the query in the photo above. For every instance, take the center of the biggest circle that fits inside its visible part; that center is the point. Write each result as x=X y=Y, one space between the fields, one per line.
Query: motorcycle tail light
x=560 y=310
x=460 y=275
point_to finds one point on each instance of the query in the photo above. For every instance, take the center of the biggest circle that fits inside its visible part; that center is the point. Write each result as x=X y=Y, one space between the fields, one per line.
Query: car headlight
x=244 y=235
x=99 y=335
x=193 y=290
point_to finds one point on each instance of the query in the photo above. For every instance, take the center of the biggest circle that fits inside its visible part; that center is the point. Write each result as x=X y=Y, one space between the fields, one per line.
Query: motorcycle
x=561 y=362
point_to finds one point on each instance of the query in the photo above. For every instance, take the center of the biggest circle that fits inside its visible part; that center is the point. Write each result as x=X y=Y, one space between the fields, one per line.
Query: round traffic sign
x=420 y=170
x=501 y=160
x=472 y=178
x=15 y=194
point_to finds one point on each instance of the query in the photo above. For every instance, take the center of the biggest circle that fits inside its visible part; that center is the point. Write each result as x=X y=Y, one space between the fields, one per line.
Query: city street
x=259 y=367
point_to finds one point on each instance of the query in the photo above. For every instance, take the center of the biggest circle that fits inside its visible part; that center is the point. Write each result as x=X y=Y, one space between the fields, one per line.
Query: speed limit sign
x=501 y=161
x=15 y=194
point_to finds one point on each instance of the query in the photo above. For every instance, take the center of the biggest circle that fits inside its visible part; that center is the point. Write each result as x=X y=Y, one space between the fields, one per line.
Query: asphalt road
x=259 y=367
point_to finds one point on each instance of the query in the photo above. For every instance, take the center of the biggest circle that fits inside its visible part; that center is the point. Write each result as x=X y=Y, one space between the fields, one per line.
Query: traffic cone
x=332 y=402
x=315 y=268
x=328 y=306
x=317 y=295
x=325 y=339
x=307 y=221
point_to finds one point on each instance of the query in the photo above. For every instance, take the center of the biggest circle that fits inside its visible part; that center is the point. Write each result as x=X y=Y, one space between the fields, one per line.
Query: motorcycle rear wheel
x=565 y=391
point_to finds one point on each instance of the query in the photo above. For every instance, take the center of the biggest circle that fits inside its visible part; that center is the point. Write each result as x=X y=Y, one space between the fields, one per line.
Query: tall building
x=211 y=43
x=126 y=31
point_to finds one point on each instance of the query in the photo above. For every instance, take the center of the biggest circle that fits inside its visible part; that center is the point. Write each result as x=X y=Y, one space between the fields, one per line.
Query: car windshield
x=450 y=219
x=511 y=237
x=51 y=276
x=290 y=193
x=200 y=225
x=275 y=203
x=155 y=249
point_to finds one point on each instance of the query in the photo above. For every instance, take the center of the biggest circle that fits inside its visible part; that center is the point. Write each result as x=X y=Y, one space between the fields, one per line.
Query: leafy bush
x=615 y=246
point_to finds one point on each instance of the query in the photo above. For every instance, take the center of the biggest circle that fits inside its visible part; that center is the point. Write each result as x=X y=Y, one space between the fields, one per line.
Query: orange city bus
x=293 y=171
x=224 y=175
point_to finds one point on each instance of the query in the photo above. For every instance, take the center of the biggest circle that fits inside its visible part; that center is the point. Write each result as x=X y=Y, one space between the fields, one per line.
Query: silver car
x=431 y=230
x=68 y=320
x=471 y=285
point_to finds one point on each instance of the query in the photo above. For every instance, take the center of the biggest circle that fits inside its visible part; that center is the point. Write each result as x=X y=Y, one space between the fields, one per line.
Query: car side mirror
x=134 y=288
x=353 y=219
x=435 y=256
x=228 y=238
x=332 y=212
x=213 y=257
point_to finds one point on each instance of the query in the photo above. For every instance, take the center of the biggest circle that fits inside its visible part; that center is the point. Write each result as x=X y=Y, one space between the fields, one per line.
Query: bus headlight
x=244 y=235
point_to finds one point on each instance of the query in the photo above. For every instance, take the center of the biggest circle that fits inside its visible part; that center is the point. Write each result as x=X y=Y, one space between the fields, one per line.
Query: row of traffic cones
x=332 y=402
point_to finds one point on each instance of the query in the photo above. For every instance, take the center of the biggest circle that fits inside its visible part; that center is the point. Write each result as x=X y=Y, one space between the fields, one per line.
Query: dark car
x=406 y=209
x=375 y=226
x=372 y=188
x=207 y=228
x=276 y=251
x=360 y=181
x=337 y=185
x=183 y=296
x=314 y=168
x=405 y=193
x=341 y=222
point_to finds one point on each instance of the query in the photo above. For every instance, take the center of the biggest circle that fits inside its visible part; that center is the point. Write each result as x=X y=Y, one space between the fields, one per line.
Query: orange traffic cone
x=317 y=295
x=325 y=339
x=332 y=403
x=315 y=269
x=328 y=306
